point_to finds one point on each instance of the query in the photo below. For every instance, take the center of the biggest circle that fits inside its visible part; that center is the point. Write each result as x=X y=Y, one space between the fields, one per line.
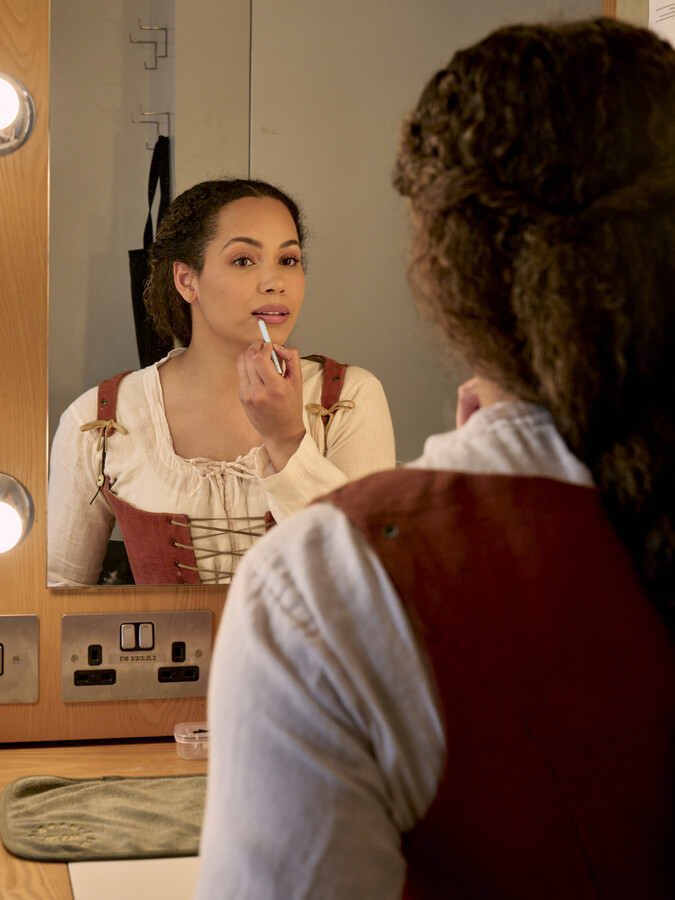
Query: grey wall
x=331 y=83
x=99 y=165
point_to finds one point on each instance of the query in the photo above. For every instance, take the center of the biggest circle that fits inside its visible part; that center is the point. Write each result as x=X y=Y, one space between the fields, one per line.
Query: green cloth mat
x=45 y=817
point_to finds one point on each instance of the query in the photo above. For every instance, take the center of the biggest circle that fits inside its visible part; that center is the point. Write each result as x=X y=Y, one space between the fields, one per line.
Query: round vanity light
x=10 y=527
x=9 y=103
x=16 y=512
x=17 y=114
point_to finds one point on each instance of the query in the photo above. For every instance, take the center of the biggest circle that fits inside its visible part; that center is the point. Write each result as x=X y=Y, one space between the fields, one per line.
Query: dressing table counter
x=23 y=879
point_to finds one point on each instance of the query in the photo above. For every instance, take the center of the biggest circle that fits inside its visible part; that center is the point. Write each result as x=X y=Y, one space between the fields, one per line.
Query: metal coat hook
x=149 y=121
x=156 y=54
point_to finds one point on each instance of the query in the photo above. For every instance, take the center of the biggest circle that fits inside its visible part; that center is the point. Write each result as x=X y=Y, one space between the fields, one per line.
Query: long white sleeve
x=78 y=526
x=326 y=742
x=360 y=441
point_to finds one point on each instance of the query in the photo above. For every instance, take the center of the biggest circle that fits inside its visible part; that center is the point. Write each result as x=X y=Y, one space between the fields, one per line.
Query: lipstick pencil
x=266 y=337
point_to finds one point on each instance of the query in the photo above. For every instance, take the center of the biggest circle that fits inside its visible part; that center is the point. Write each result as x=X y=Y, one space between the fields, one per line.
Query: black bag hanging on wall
x=151 y=346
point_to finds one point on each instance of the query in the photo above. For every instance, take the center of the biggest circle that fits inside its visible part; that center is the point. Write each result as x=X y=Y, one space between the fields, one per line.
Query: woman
x=196 y=454
x=458 y=676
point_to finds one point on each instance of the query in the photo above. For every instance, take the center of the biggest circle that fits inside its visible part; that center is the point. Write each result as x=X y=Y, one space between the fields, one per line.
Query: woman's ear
x=186 y=279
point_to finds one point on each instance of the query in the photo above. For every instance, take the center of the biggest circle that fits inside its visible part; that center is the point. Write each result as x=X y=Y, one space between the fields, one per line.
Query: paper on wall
x=662 y=19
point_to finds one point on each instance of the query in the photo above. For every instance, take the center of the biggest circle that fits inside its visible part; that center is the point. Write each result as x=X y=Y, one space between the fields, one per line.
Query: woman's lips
x=272 y=316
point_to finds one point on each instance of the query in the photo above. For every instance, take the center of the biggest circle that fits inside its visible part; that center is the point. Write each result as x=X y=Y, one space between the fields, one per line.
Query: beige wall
x=212 y=89
x=634 y=11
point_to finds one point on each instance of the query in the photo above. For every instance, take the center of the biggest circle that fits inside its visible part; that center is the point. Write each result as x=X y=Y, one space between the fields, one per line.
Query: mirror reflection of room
x=198 y=454
x=326 y=135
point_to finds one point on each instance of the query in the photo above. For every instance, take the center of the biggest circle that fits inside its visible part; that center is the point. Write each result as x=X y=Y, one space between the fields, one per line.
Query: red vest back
x=556 y=677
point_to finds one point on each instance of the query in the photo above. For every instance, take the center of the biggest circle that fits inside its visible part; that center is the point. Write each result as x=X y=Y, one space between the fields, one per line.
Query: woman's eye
x=243 y=261
x=290 y=261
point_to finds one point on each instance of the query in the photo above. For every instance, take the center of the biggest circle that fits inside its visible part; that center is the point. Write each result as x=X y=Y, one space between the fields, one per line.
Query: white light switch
x=128 y=637
x=146 y=636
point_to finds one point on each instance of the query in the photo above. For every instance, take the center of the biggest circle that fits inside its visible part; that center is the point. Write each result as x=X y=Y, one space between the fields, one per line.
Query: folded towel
x=45 y=817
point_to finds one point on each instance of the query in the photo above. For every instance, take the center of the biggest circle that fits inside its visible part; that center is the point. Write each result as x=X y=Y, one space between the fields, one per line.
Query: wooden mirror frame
x=24 y=53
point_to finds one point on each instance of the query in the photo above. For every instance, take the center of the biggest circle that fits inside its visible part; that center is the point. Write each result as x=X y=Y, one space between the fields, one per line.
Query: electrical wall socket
x=135 y=656
x=19 y=637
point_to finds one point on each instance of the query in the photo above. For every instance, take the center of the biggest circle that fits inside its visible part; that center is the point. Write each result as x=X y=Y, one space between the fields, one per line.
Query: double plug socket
x=135 y=656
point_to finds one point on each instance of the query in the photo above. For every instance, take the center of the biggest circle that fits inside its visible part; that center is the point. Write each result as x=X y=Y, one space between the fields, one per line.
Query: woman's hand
x=468 y=401
x=273 y=402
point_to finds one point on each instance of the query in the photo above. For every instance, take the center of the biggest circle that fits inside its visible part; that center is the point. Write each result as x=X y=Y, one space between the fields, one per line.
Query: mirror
x=329 y=85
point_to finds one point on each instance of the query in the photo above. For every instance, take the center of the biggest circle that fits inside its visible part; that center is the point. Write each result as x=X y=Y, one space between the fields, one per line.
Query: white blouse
x=227 y=495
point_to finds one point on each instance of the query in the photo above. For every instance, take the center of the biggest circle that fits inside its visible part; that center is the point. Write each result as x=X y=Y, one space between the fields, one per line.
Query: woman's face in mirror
x=252 y=270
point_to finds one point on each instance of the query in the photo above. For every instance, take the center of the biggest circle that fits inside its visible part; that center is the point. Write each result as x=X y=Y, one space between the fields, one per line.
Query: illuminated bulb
x=10 y=527
x=9 y=103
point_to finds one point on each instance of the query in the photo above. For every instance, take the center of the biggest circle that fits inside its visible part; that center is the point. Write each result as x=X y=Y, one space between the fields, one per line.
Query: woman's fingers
x=468 y=401
x=290 y=360
x=260 y=365
x=272 y=402
x=250 y=378
x=257 y=363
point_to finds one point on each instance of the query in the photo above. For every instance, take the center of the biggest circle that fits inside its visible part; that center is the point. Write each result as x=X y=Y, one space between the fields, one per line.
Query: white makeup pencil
x=266 y=337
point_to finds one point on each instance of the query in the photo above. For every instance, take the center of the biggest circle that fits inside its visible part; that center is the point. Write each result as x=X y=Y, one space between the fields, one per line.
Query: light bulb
x=9 y=103
x=17 y=114
x=11 y=527
x=16 y=512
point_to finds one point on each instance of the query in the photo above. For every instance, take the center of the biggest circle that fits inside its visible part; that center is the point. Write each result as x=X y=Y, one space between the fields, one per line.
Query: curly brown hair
x=540 y=167
x=187 y=228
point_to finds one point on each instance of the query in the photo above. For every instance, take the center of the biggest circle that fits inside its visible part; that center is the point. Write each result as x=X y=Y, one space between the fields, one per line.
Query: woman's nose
x=271 y=282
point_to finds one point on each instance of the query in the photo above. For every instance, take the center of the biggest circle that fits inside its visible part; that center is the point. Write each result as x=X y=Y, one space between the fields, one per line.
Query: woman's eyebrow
x=252 y=241
x=243 y=240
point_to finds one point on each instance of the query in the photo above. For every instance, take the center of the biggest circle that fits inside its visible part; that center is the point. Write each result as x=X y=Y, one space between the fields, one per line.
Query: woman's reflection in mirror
x=197 y=455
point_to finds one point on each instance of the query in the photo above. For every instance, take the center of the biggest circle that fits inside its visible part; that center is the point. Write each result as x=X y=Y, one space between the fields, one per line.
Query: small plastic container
x=192 y=740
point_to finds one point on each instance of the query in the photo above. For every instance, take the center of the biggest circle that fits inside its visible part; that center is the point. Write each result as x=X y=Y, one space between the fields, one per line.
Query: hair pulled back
x=187 y=228
x=540 y=166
